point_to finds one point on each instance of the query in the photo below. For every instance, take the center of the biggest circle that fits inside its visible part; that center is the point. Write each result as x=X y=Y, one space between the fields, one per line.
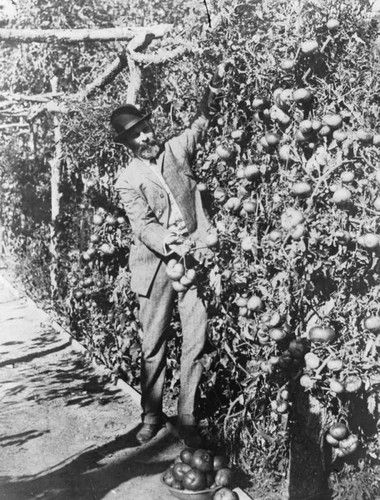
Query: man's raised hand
x=221 y=70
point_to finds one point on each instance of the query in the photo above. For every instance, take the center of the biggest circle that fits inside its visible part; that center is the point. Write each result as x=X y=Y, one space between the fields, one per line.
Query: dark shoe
x=147 y=432
x=190 y=436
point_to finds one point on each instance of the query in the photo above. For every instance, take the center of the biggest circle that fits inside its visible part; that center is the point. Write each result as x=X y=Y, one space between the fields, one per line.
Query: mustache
x=149 y=143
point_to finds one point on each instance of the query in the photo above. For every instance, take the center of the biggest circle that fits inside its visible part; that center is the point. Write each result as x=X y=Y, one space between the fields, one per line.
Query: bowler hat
x=123 y=119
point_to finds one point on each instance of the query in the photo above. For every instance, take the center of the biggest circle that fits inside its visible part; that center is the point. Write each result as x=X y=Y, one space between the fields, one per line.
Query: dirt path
x=66 y=433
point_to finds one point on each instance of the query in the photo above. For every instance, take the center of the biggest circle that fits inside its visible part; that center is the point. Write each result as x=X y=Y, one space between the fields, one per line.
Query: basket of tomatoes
x=199 y=475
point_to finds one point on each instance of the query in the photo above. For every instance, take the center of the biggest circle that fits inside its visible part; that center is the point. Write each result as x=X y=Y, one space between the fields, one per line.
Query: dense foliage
x=290 y=174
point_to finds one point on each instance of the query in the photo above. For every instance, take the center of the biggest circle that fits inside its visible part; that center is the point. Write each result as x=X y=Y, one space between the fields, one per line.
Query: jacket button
x=162 y=195
x=159 y=212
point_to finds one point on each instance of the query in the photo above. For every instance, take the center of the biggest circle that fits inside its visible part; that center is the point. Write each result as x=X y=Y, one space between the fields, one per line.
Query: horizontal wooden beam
x=81 y=35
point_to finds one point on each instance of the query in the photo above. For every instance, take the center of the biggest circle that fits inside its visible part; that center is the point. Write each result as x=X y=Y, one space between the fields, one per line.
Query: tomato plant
x=290 y=174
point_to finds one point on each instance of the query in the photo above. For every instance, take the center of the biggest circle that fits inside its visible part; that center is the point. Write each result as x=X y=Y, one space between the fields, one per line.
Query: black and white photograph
x=190 y=249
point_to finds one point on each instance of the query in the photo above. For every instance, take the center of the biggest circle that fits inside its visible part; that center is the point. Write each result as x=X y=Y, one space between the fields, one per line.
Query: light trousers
x=155 y=315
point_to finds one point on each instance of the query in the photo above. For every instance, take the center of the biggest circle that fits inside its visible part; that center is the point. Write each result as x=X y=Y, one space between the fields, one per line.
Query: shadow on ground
x=93 y=473
x=73 y=380
x=20 y=438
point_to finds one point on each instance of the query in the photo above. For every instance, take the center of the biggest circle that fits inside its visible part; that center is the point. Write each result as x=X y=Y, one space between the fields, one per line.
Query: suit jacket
x=147 y=205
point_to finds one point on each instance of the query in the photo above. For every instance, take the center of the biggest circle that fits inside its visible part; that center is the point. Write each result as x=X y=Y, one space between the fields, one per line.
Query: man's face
x=142 y=141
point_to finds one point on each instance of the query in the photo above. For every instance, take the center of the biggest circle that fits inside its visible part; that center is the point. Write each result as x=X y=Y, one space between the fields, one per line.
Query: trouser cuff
x=152 y=419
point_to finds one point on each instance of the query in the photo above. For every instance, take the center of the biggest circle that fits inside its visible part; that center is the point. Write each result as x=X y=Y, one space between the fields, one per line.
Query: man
x=159 y=194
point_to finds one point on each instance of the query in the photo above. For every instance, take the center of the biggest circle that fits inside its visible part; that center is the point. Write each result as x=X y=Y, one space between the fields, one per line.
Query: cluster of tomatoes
x=198 y=470
x=83 y=289
x=182 y=278
x=339 y=437
x=310 y=358
x=307 y=356
x=182 y=271
x=103 y=241
x=308 y=131
x=327 y=369
x=100 y=243
x=287 y=356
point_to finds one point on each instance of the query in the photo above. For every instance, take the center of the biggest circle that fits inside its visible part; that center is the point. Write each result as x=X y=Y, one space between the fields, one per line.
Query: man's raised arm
x=209 y=106
x=207 y=109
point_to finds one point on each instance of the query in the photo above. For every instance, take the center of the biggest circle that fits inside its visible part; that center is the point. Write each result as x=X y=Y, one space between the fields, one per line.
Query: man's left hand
x=181 y=248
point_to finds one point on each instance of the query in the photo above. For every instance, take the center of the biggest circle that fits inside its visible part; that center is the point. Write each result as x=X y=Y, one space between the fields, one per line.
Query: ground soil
x=66 y=432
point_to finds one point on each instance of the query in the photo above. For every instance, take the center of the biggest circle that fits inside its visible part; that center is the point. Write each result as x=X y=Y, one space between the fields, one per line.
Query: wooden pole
x=3 y=248
x=136 y=45
x=307 y=474
x=135 y=81
x=55 y=165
